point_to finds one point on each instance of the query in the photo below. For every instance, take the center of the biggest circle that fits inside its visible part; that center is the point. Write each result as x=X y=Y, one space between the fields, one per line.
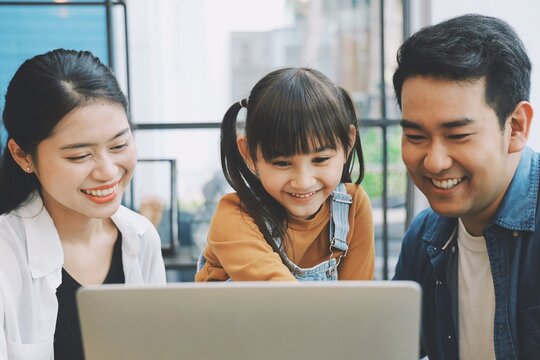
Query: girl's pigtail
x=231 y=159
x=357 y=146
x=247 y=185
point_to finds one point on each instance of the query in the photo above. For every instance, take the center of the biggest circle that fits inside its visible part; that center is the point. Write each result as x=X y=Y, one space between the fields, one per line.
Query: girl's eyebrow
x=321 y=148
x=83 y=145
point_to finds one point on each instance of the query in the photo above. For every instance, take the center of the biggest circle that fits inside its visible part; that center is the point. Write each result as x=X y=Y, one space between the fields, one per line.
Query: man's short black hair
x=470 y=47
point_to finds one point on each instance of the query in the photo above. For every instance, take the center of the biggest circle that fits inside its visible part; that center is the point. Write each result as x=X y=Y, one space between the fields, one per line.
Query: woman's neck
x=74 y=227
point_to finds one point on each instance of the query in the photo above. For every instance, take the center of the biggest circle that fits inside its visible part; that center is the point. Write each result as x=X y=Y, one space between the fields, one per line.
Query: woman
x=69 y=157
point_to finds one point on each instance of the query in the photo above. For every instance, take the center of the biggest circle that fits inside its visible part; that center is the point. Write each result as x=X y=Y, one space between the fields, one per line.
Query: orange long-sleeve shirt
x=237 y=250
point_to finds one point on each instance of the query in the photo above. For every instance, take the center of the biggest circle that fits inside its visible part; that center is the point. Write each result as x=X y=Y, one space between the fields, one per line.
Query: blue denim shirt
x=513 y=243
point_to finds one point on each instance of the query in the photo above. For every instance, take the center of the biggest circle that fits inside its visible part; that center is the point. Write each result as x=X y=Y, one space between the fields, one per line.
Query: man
x=463 y=88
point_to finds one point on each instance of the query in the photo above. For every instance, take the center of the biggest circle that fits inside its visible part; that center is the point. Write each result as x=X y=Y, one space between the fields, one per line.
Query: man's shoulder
x=423 y=221
x=428 y=227
x=425 y=229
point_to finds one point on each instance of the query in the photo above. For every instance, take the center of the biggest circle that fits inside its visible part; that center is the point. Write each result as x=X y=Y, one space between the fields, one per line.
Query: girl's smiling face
x=301 y=183
x=86 y=164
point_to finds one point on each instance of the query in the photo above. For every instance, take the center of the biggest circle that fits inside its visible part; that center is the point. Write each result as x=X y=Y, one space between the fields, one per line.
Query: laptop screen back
x=259 y=320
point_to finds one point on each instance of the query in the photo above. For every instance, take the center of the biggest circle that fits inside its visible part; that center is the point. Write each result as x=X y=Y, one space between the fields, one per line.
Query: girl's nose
x=303 y=180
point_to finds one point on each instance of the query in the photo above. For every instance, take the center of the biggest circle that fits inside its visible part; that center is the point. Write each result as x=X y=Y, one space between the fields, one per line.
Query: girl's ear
x=520 y=124
x=241 y=142
x=352 y=139
x=23 y=159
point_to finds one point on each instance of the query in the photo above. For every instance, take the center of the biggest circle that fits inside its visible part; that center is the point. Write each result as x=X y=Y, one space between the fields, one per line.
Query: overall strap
x=339 y=223
x=339 y=213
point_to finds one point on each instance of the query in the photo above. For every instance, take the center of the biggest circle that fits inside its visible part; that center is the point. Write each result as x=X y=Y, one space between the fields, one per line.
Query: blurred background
x=182 y=63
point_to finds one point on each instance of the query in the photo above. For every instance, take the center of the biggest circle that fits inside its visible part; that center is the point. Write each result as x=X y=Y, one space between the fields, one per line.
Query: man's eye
x=414 y=137
x=458 y=136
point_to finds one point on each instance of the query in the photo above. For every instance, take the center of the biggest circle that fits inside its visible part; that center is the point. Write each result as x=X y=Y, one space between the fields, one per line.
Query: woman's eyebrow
x=83 y=145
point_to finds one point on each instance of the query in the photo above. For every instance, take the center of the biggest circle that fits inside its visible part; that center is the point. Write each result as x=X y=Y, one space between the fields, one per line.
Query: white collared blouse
x=31 y=260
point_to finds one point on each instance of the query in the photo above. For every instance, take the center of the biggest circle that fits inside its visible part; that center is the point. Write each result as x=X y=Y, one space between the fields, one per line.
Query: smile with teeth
x=446 y=184
x=101 y=192
x=303 y=196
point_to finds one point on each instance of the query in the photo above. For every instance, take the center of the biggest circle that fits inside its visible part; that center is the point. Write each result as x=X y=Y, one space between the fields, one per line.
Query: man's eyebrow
x=83 y=145
x=407 y=124
x=457 y=123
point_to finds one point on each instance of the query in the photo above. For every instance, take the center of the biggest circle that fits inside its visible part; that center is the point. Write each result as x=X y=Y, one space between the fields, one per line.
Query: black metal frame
x=173 y=213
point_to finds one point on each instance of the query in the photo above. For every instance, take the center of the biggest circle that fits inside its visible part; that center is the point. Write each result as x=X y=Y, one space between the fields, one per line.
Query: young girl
x=70 y=155
x=295 y=214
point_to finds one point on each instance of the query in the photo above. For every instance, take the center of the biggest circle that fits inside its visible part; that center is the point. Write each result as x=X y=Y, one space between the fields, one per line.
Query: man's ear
x=22 y=158
x=520 y=124
x=241 y=142
x=352 y=139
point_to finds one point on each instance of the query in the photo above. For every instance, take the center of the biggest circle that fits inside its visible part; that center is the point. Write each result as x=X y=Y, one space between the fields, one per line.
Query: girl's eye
x=321 y=160
x=281 y=163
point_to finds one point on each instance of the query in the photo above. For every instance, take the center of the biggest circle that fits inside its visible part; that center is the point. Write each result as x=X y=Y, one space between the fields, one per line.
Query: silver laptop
x=373 y=320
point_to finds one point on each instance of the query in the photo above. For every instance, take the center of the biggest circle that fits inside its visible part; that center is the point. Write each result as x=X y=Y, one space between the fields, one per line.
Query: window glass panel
x=192 y=59
x=28 y=30
x=153 y=194
x=199 y=180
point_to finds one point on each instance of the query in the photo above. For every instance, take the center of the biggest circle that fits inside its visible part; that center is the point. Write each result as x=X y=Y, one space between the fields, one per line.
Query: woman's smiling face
x=86 y=164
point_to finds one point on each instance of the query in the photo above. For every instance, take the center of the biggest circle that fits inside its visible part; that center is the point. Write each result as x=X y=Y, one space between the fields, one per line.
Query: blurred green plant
x=373 y=156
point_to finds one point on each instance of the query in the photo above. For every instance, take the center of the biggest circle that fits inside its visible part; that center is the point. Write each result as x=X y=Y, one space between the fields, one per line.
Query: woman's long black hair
x=288 y=111
x=44 y=89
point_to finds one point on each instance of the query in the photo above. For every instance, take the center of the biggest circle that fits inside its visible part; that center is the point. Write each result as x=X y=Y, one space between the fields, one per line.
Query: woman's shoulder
x=137 y=231
x=12 y=244
x=11 y=227
x=130 y=215
x=125 y=217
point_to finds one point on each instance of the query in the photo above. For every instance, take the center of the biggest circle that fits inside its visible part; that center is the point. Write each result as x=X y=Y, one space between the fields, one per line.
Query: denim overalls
x=339 y=228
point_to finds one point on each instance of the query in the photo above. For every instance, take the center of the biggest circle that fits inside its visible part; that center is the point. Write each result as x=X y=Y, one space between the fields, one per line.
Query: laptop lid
x=252 y=320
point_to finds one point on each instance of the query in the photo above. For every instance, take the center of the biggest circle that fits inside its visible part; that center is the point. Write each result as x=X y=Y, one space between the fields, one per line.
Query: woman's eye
x=78 y=158
x=119 y=147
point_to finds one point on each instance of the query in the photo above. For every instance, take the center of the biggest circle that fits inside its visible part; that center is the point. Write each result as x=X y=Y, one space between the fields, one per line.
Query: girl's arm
x=237 y=250
x=359 y=264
